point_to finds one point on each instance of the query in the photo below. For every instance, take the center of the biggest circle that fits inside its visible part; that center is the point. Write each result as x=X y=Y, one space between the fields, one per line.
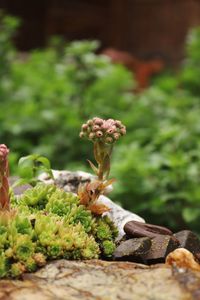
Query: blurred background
x=62 y=62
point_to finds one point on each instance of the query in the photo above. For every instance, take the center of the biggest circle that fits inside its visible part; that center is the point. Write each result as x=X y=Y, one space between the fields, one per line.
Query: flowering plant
x=103 y=134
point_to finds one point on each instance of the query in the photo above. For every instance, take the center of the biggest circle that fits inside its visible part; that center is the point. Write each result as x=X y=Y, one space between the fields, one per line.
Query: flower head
x=105 y=131
x=3 y=152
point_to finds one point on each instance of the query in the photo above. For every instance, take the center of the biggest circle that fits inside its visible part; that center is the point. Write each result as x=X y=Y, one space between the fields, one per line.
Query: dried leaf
x=98 y=209
x=83 y=194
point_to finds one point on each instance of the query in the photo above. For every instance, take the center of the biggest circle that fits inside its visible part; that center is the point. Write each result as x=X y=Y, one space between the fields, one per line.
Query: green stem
x=101 y=171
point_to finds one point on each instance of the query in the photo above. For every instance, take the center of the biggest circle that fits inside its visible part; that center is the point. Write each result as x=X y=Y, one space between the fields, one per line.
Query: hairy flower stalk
x=103 y=134
x=4 y=173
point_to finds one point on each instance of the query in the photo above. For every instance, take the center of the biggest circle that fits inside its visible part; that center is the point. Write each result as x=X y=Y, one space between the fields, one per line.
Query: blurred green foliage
x=8 y=27
x=158 y=171
x=190 y=72
x=46 y=97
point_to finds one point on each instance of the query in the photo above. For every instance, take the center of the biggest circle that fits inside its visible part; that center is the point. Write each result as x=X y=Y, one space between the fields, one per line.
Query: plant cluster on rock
x=45 y=222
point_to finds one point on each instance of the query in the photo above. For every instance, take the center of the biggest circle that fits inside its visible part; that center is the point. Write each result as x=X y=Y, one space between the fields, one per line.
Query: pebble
x=132 y=249
x=139 y=229
x=161 y=246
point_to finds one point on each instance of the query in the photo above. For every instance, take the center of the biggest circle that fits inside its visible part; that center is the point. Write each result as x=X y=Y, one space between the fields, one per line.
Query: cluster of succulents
x=17 y=245
x=49 y=223
x=106 y=131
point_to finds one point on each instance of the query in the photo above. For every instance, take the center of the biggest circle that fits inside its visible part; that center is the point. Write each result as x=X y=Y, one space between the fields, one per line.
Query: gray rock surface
x=70 y=182
x=101 y=280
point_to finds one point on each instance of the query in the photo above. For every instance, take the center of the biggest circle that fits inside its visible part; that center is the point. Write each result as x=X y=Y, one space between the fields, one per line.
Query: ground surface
x=101 y=280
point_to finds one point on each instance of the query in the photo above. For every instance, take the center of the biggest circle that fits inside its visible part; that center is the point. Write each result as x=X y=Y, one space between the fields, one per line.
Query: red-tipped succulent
x=4 y=173
x=103 y=134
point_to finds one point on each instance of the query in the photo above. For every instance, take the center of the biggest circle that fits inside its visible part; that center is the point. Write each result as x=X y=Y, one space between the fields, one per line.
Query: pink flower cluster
x=3 y=152
x=107 y=131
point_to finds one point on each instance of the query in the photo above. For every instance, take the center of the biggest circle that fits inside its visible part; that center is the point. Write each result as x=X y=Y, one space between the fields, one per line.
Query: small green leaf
x=31 y=165
x=26 y=167
x=95 y=169
x=45 y=162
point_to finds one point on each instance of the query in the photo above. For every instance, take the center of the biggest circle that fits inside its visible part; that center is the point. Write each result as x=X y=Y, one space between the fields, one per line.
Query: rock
x=189 y=241
x=70 y=182
x=18 y=190
x=182 y=258
x=96 y=279
x=131 y=249
x=67 y=180
x=161 y=246
x=138 y=229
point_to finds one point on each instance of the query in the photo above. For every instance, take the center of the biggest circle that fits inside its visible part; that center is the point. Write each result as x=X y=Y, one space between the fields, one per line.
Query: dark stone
x=161 y=246
x=188 y=240
x=132 y=249
x=139 y=229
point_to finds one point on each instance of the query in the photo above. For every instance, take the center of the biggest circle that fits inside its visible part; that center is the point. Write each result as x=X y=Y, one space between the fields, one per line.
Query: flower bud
x=82 y=134
x=84 y=127
x=99 y=133
x=111 y=130
x=95 y=128
x=118 y=123
x=89 y=122
x=97 y=121
x=123 y=130
x=116 y=136
x=91 y=135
